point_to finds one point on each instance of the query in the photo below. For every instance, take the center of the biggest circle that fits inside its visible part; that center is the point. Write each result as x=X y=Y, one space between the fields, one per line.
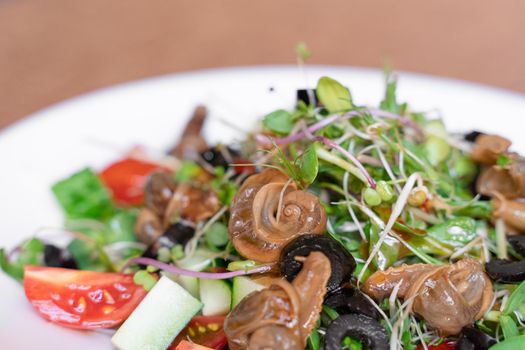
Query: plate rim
x=43 y=112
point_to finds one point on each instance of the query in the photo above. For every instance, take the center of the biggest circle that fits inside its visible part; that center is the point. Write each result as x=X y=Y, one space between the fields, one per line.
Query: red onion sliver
x=208 y=275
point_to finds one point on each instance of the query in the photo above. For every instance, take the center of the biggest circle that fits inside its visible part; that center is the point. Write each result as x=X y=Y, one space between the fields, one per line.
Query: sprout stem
x=350 y=156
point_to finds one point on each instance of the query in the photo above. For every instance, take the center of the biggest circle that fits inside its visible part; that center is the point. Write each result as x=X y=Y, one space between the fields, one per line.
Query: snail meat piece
x=269 y=211
x=341 y=261
x=158 y=192
x=351 y=301
x=191 y=142
x=448 y=297
x=360 y=327
x=283 y=315
x=148 y=226
x=512 y=212
x=487 y=148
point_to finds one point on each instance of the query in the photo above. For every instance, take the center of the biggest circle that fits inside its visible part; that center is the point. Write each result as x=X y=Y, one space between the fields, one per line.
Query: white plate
x=97 y=128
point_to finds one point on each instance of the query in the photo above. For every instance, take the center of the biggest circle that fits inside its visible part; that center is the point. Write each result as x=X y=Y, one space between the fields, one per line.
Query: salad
x=330 y=226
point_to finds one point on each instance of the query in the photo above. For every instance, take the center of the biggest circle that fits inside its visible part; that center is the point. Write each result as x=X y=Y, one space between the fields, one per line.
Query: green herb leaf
x=144 y=279
x=303 y=53
x=436 y=150
x=187 y=171
x=85 y=255
x=504 y=160
x=330 y=312
x=334 y=96
x=508 y=326
x=389 y=103
x=31 y=253
x=516 y=299
x=314 y=341
x=456 y=231
x=217 y=235
x=308 y=165
x=389 y=251
x=510 y=344
x=83 y=195
x=121 y=227
x=279 y=121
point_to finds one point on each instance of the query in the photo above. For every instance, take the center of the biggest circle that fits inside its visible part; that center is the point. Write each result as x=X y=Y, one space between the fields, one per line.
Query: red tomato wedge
x=81 y=299
x=442 y=346
x=126 y=179
x=186 y=345
x=203 y=330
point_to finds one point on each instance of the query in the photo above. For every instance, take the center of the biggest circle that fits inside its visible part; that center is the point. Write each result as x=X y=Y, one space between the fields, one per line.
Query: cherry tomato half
x=442 y=346
x=81 y=299
x=203 y=330
x=186 y=345
x=126 y=179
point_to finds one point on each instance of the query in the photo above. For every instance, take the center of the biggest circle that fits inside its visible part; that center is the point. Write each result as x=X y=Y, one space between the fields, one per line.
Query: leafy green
x=516 y=299
x=83 y=195
x=86 y=255
x=217 y=235
x=314 y=341
x=504 y=160
x=145 y=279
x=187 y=171
x=334 y=96
x=455 y=231
x=308 y=165
x=302 y=52
x=30 y=253
x=436 y=150
x=121 y=227
x=508 y=326
x=389 y=102
x=389 y=251
x=279 y=121
x=513 y=343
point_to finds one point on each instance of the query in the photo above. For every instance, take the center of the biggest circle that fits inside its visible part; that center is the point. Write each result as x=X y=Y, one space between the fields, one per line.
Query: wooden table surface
x=55 y=49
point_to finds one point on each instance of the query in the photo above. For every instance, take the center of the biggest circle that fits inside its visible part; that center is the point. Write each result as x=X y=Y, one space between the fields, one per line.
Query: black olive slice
x=471 y=338
x=506 y=271
x=342 y=262
x=518 y=243
x=56 y=257
x=368 y=331
x=305 y=94
x=215 y=157
x=351 y=301
x=473 y=135
x=178 y=233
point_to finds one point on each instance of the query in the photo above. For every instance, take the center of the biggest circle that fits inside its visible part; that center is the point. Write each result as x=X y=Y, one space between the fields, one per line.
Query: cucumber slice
x=198 y=262
x=242 y=286
x=158 y=319
x=201 y=260
x=216 y=296
x=191 y=284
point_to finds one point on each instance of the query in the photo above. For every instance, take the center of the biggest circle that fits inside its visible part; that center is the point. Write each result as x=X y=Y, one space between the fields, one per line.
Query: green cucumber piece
x=158 y=319
x=198 y=262
x=191 y=284
x=216 y=296
x=242 y=286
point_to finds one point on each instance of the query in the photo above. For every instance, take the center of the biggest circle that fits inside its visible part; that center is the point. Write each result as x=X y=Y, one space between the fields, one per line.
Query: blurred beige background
x=55 y=49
